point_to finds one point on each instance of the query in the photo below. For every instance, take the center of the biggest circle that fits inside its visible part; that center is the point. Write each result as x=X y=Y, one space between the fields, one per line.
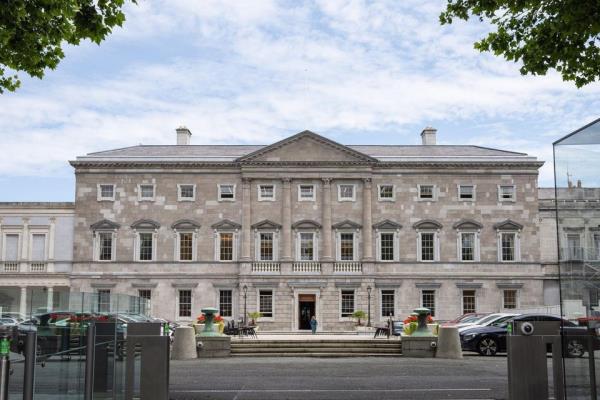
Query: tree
x=33 y=32
x=543 y=34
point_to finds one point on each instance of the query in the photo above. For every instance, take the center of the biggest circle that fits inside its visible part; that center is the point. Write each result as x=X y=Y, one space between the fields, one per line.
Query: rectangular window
x=426 y=192
x=226 y=192
x=508 y=246
x=146 y=192
x=306 y=192
x=428 y=300
x=347 y=246
x=386 y=244
x=347 y=306
x=468 y=301
x=12 y=247
x=186 y=246
x=106 y=246
x=266 y=192
x=346 y=193
x=265 y=303
x=103 y=300
x=266 y=246
x=185 y=304
x=226 y=303
x=466 y=192
x=106 y=192
x=226 y=246
x=145 y=294
x=187 y=192
x=387 y=303
x=510 y=298
x=574 y=250
x=307 y=246
x=38 y=247
x=386 y=192
x=506 y=193
x=467 y=246
x=427 y=246
x=596 y=250
x=146 y=251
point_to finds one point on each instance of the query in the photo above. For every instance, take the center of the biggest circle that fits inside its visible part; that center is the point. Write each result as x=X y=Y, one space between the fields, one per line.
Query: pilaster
x=286 y=212
x=246 y=220
x=326 y=254
x=367 y=220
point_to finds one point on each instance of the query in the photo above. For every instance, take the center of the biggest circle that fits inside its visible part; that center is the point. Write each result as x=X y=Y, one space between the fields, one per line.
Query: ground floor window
x=510 y=298
x=265 y=303
x=468 y=301
x=185 y=304
x=347 y=306
x=226 y=303
x=428 y=300
x=103 y=300
x=387 y=303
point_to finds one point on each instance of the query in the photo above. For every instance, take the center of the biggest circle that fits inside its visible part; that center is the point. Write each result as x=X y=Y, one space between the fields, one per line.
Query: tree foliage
x=543 y=34
x=33 y=32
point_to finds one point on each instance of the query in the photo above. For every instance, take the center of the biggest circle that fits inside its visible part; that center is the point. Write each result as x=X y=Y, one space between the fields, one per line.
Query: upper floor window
x=225 y=240
x=38 y=247
x=427 y=246
x=466 y=192
x=266 y=192
x=105 y=246
x=506 y=193
x=427 y=192
x=104 y=240
x=226 y=192
x=226 y=246
x=146 y=192
x=386 y=193
x=186 y=192
x=346 y=246
x=106 y=192
x=346 y=192
x=266 y=246
x=508 y=246
x=306 y=192
x=596 y=248
x=11 y=247
x=387 y=246
x=467 y=246
x=186 y=246
x=146 y=246
x=306 y=246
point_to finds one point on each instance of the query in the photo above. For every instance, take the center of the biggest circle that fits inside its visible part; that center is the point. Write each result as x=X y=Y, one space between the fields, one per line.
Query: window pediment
x=427 y=224
x=145 y=224
x=104 y=225
x=185 y=224
x=225 y=225
x=508 y=225
x=347 y=224
x=467 y=224
x=306 y=224
x=387 y=224
x=266 y=224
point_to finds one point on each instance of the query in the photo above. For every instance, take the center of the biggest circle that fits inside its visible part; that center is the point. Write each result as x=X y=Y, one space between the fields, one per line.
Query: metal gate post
x=89 y=362
x=30 y=358
x=4 y=364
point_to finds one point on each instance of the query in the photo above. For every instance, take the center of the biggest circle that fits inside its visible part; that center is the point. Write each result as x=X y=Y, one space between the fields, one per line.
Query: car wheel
x=575 y=348
x=487 y=346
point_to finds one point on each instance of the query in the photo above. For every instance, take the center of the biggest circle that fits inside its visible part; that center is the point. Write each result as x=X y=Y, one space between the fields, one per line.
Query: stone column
x=367 y=221
x=327 y=254
x=246 y=219
x=23 y=303
x=50 y=298
x=286 y=214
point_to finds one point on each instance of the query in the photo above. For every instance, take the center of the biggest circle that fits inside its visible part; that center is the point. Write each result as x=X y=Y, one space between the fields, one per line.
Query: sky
x=254 y=72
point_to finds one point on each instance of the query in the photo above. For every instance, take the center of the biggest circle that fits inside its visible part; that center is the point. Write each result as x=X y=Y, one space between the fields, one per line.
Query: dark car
x=489 y=340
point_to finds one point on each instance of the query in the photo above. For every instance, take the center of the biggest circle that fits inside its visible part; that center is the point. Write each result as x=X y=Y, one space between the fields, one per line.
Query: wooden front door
x=306 y=309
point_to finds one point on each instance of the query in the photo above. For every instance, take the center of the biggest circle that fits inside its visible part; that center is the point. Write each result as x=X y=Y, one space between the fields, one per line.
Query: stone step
x=318 y=354
x=258 y=345
x=315 y=350
x=317 y=341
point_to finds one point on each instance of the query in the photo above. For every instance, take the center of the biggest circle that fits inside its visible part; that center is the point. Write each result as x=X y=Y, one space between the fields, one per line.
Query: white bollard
x=448 y=345
x=184 y=346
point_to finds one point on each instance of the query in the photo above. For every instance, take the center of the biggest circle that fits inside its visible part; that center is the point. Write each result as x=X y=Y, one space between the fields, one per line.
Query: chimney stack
x=579 y=183
x=183 y=136
x=428 y=136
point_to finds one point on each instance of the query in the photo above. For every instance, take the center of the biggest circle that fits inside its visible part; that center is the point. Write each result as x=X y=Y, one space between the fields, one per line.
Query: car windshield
x=503 y=319
x=470 y=318
x=487 y=318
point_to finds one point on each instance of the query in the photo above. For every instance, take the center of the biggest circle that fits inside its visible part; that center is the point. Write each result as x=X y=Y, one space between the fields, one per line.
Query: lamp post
x=245 y=288
x=369 y=306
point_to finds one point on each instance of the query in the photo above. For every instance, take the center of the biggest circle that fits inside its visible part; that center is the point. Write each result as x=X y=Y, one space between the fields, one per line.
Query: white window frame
x=314 y=192
x=180 y=198
x=97 y=242
x=219 y=194
x=462 y=299
x=105 y=291
x=19 y=235
x=178 y=304
x=514 y=194
x=349 y=318
x=177 y=255
x=275 y=234
x=38 y=232
x=139 y=188
x=260 y=196
x=434 y=192
x=435 y=299
x=338 y=245
x=234 y=255
x=476 y=246
x=99 y=192
x=517 y=296
x=218 y=302
x=339 y=187
x=517 y=246
x=458 y=187
x=381 y=290
x=436 y=246
x=265 y=289
x=138 y=243
x=379 y=187
x=396 y=234
x=315 y=245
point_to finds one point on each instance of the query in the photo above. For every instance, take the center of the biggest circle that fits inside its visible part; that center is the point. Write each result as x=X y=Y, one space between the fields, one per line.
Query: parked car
x=489 y=340
x=486 y=320
x=468 y=317
x=8 y=322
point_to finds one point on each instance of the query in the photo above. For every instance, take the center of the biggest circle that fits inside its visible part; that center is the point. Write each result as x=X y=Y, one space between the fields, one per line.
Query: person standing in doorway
x=313 y=324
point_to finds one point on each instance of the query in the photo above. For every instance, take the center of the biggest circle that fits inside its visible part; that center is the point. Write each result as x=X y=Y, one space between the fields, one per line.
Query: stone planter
x=419 y=346
x=214 y=346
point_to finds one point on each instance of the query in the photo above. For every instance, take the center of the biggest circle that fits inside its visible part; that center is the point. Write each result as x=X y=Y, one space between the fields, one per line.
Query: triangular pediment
x=225 y=225
x=266 y=224
x=467 y=224
x=185 y=224
x=305 y=147
x=104 y=224
x=347 y=224
x=387 y=224
x=508 y=225
x=427 y=224
x=306 y=224
x=145 y=224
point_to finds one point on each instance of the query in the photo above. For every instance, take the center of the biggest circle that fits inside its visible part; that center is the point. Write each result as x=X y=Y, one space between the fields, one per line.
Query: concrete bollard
x=448 y=343
x=184 y=346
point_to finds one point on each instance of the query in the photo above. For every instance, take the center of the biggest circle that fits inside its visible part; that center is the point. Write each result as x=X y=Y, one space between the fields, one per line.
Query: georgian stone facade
x=315 y=227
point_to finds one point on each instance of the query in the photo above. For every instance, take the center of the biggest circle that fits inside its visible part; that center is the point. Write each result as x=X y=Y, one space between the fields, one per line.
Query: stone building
x=36 y=253
x=307 y=226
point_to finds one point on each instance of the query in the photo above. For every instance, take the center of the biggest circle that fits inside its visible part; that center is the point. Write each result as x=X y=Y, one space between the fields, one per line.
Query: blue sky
x=256 y=71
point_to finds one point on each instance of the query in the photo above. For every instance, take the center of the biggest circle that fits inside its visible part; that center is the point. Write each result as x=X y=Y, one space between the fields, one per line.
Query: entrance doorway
x=306 y=308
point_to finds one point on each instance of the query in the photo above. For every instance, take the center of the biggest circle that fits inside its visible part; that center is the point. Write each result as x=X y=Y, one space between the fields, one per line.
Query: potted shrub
x=218 y=321
x=359 y=315
x=254 y=315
